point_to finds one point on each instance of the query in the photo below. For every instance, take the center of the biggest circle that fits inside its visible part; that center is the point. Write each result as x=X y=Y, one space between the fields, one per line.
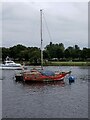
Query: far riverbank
x=59 y=63
x=70 y=63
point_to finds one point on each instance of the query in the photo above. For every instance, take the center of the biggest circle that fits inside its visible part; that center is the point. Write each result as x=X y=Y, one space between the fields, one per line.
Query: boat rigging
x=42 y=75
x=41 y=41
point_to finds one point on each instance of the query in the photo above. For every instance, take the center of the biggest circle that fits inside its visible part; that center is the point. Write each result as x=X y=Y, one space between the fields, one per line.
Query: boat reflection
x=42 y=84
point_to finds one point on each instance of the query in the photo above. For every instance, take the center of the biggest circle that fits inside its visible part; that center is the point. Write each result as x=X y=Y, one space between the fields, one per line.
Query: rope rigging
x=47 y=27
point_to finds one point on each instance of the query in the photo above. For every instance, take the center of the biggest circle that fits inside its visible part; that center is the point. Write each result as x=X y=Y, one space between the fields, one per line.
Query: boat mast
x=41 y=39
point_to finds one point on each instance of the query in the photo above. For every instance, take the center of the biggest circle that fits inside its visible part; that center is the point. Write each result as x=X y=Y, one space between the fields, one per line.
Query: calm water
x=46 y=100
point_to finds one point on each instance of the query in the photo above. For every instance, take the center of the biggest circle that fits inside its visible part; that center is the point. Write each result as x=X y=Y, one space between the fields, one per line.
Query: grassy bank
x=68 y=63
x=58 y=63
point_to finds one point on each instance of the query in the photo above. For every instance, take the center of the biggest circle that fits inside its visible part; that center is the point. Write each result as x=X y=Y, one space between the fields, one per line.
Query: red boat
x=35 y=75
x=41 y=76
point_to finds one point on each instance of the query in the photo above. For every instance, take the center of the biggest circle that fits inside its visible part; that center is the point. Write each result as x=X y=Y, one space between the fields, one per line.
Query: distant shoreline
x=70 y=63
x=58 y=63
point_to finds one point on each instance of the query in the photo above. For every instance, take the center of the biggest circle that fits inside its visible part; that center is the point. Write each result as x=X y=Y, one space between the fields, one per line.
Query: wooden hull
x=38 y=77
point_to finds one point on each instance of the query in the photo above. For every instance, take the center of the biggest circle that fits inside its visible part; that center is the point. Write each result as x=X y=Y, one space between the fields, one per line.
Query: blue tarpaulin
x=48 y=73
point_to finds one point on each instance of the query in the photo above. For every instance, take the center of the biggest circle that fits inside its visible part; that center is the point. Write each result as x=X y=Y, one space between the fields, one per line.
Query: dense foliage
x=52 y=52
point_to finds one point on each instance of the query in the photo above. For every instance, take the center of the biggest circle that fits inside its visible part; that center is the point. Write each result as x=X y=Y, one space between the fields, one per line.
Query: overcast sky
x=67 y=23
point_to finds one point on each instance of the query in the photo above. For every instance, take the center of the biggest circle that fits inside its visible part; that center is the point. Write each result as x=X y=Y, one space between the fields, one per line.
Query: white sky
x=67 y=22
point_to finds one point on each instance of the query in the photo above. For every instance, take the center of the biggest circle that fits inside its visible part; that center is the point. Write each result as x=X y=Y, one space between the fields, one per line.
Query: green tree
x=35 y=59
x=16 y=50
x=69 y=52
x=76 y=53
x=5 y=53
x=55 y=50
x=84 y=54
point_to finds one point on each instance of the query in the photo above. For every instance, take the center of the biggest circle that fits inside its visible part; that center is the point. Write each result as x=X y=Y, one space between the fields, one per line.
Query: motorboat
x=9 y=64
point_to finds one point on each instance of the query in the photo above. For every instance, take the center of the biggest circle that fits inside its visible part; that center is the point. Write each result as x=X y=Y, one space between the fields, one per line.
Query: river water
x=46 y=100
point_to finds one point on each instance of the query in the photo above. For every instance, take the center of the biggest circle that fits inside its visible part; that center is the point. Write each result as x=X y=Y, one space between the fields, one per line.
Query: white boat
x=8 y=64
